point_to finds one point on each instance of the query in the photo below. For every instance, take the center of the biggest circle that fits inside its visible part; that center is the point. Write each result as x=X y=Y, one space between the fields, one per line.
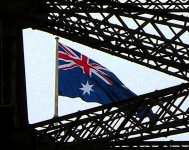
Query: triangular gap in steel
x=158 y=55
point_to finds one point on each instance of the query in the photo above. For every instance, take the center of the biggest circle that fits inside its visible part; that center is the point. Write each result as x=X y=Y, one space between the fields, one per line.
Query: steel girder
x=153 y=38
x=135 y=31
x=117 y=122
x=156 y=38
x=162 y=5
x=168 y=5
x=134 y=145
x=144 y=145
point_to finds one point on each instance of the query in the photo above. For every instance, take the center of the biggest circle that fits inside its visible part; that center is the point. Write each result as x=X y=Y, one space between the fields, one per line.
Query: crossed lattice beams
x=170 y=5
x=139 y=145
x=131 y=145
x=163 y=5
x=151 y=33
x=153 y=38
x=118 y=121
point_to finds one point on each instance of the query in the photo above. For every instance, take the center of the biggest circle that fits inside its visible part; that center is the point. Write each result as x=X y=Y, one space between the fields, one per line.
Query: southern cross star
x=87 y=88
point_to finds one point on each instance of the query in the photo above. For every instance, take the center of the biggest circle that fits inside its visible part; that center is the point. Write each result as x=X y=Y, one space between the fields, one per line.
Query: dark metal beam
x=149 y=48
x=114 y=122
x=166 y=5
x=124 y=145
x=155 y=39
x=105 y=25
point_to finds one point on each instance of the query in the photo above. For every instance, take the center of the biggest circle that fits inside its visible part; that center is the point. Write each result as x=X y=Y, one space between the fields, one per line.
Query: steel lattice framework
x=151 y=37
x=114 y=123
x=152 y=33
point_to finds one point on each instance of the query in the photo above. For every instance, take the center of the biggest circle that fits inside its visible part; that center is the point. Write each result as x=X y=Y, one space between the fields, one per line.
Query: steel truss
x=117 y=123
x=134 y=145
x=153 y=33
x=154 y=38
x=145 y=145
x=168 y=5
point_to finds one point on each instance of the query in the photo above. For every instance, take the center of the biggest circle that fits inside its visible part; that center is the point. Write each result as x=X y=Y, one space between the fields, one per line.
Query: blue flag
x=82 y=77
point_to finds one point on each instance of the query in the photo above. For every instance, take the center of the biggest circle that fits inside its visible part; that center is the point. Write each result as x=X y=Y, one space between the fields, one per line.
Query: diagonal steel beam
x=161 y=5
x=118 y=122
x=151 y=47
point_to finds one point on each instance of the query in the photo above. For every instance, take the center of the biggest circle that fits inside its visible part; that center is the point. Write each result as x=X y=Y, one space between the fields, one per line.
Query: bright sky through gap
x=39 y=51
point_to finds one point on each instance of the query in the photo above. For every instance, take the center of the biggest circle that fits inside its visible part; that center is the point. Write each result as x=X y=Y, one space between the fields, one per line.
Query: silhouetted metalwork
x=153 y=38
x=152 y=33
x=111 y=123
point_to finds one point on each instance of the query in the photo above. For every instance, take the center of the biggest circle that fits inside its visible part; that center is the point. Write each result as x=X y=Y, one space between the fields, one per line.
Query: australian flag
x=82 y=77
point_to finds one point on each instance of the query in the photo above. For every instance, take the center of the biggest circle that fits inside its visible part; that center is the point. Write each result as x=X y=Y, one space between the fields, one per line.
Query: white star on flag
x=87 y=88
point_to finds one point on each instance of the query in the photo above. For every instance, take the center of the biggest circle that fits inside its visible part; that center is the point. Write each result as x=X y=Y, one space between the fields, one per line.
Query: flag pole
x=56 y=81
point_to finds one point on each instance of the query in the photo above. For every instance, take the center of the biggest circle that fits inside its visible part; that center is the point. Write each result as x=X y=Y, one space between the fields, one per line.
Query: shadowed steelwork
x=152 y=33
x=156 y=39
x=113 y=123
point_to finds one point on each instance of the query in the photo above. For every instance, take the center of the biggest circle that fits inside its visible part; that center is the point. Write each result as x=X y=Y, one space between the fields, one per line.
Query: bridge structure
x=152 y=33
